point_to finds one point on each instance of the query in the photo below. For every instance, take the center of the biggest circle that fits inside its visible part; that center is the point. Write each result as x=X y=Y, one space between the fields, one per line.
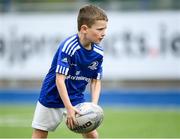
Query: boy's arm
x=60 y=83
x=95 y=88
x=71 y=111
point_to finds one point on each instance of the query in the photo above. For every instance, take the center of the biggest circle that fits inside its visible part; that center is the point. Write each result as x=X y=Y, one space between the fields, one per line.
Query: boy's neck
x=86 y=44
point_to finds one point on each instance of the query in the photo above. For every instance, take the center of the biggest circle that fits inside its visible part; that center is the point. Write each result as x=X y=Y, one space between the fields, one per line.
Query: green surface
x=15 y=122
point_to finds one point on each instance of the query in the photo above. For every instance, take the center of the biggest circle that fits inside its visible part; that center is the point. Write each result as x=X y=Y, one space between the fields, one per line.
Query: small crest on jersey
x=93 y=65
x=77 y=72
x=64 y=60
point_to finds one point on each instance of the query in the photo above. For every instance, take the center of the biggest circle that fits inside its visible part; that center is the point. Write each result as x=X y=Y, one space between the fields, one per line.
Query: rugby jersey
x=78 y=64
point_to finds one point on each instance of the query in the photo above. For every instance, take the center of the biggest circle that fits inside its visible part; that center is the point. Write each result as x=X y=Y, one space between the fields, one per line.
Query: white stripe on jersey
x=63 y=70
x=67 y=42
x=98 y=47
x=78 y=47
x=66 y=72
x=60 y=70
x=57 y=69
x=72 y=43
x=72 y=48
x=99 y=76
x=98 y=51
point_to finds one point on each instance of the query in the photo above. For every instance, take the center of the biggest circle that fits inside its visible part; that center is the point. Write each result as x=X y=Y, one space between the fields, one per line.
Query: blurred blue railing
x=116 y=97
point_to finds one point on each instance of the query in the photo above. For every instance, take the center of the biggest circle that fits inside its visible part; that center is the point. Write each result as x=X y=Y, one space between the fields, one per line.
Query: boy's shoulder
x=64 y=44
x=98 y=46
x=99 y=49
x=69 y=39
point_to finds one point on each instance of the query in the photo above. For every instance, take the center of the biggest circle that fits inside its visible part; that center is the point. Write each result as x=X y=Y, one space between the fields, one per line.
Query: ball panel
x=91 y=116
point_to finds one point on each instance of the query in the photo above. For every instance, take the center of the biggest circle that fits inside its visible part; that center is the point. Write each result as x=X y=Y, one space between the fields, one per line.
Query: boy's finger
x=75 y=121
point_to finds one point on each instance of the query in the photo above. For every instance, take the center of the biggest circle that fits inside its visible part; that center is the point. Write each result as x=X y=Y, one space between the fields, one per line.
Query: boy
x=77 y=62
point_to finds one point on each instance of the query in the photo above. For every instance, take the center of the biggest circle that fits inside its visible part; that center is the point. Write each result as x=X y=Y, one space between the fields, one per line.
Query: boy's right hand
x=71 y=117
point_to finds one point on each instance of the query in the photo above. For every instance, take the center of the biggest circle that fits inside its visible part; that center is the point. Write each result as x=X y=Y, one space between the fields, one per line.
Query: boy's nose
x=103 y=34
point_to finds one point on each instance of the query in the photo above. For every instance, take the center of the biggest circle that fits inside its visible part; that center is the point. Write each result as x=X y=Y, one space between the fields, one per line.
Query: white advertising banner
x=137 y=45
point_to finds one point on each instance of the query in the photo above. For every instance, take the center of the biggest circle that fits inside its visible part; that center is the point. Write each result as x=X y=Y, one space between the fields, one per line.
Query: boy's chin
x=97 y=42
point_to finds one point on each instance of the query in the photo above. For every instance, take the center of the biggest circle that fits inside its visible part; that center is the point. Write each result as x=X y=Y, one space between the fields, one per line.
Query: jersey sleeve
x=63 y=63
x=99 y=72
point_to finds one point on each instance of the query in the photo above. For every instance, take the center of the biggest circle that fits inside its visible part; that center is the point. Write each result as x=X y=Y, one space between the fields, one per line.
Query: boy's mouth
x=100 y=39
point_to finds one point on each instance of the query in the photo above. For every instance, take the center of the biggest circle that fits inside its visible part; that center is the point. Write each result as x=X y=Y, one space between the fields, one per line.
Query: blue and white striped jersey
x=78 y=64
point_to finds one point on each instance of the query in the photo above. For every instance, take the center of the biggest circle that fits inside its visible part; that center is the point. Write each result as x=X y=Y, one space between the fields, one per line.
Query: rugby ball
x=91 y=116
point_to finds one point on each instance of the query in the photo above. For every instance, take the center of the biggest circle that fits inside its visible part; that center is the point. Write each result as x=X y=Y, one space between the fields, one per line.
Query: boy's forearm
x=95 y=88
x=62 y=90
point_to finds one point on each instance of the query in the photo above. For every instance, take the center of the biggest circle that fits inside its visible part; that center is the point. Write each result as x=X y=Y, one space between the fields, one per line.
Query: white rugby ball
x=91 y=116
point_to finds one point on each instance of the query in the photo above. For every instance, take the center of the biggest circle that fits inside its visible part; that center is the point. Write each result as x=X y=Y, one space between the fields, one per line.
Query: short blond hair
x=89 y=14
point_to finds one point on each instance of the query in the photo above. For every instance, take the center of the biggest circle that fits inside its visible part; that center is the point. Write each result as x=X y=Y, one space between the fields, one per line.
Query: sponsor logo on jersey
x=78 y=78
x=93 y=65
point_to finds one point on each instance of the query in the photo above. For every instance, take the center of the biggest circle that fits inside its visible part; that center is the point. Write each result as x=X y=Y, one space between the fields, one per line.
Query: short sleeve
x=99 y=72
x=63 y=63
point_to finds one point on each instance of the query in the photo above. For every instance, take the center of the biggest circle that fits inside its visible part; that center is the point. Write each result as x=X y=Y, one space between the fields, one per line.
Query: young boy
x=77 y=62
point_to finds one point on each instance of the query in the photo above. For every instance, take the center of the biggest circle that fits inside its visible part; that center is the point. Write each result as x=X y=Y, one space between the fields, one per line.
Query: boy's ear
x=84 y=28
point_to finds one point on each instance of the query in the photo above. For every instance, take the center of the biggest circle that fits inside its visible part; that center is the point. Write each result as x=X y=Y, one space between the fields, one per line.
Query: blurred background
x=141 y=83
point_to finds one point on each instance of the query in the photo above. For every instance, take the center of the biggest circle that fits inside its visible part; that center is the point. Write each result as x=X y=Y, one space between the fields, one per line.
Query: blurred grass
x=15 y=122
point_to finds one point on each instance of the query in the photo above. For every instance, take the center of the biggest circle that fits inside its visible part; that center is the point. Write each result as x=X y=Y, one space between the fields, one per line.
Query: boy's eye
x=100 y=29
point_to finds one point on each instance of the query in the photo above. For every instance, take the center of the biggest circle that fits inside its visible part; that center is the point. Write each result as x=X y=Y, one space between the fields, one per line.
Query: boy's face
x=96 y=32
